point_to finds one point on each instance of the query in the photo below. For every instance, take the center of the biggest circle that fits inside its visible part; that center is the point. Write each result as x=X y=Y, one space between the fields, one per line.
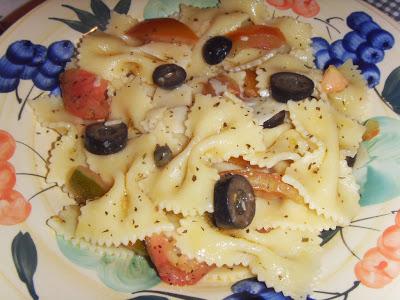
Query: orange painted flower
x=380 y=265
x=7 y=145
x=7 y=176
x=372 y=279
x=305 y=8
x=281 y=4
x=14 y=208
x=389 y=243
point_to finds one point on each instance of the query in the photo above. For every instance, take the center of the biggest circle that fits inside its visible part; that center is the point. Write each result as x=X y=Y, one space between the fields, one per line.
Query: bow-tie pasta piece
x=218 y=129
x=316 y=174
x=67 y=154
x=64 y=225
x=292 y=272
x=282 y=63
x=125 y=214
x=50 y=112
x=352 y=101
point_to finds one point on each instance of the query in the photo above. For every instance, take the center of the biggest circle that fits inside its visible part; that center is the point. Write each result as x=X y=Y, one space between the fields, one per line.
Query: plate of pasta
x=193 y=149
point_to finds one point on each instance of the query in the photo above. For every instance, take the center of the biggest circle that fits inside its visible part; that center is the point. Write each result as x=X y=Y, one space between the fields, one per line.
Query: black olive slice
x=169 y=76
x=162 y=155
x=216 y=49
x=275 y=120
x=103 y=138
x=287 y=86
x=351 y=160
x=234 y=202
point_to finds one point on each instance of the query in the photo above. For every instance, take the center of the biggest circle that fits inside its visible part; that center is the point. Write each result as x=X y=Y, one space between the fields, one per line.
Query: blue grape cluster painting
x=253 y=289
x=27 y=61
x=365 y=45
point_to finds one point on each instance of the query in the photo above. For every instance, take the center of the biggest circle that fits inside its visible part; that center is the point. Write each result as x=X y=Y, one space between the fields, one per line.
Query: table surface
x=10 y=11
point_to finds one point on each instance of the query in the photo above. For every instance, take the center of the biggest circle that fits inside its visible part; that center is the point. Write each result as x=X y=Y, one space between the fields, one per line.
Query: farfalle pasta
x=171 y=137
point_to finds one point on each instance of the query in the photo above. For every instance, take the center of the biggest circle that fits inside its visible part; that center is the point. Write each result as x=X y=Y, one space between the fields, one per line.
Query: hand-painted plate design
x=361 y=261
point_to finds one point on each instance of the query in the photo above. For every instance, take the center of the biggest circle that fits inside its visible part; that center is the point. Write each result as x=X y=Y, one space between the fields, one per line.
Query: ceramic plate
x=35 y=264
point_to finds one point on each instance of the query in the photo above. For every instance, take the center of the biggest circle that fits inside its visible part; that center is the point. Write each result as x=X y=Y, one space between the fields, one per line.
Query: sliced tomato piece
x=333 y=81
x=215 y=86
x=7 y=145
x=241 y=162
x=14 y=208
x=264 y=230
x=281 y=4
x=371 y=131
x=257 y=36
x=85 y=94
x=250 y=84
x=165 y=30
x=267 y=185
x=306 y=8
x=7 y=176
x=172 y=266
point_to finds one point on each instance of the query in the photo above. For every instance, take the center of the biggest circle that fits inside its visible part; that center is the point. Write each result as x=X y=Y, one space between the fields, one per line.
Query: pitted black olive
x=287 y=86
x=234 y=202
x=162 y=155
x=275 y=120
x=169 y=76
x=216 y=49
x=104 y=138
x=351 y=160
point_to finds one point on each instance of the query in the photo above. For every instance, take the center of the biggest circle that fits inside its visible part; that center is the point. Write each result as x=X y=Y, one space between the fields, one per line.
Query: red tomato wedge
x=250 y=84
x=85 y=94
x=14 y=208
x=333 y=81
x=224 y=80
x=267 y=185
x=371 y=131
x=7 y=176
x=257 y=36
x=7 y=145
x=241 y=162
x=281 y=4
x=165 y=30
x=306 y=8
x=173 y=267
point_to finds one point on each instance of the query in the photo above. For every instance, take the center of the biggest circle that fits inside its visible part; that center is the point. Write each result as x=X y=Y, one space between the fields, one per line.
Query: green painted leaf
x=101 y=11
x=122 y=7
x=75 y=25
x=24 y=255
x=378 y=162
x=201 y=3
x=122 y=273
x=169 y=294
x=162 y=8
x=127 y=275
x=327 y=235
x=391 y=91
x=86 y=17
x=148 y=298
